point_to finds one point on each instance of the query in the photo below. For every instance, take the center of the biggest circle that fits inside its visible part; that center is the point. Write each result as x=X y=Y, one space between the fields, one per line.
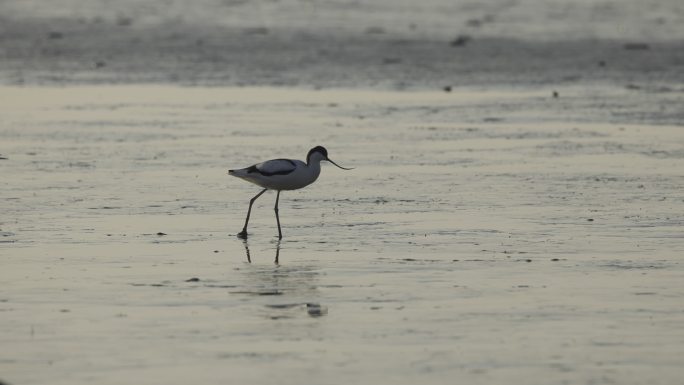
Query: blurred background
x=325 y=43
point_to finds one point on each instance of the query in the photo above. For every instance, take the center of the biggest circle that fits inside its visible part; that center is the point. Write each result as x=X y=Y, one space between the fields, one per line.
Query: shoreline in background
x=391 y=45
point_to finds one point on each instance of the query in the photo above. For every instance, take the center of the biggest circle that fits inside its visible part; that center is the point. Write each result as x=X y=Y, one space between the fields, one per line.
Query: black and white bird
x=283 y=174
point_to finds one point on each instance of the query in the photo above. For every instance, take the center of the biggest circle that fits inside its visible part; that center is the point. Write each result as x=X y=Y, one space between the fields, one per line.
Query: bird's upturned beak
x=343 y=168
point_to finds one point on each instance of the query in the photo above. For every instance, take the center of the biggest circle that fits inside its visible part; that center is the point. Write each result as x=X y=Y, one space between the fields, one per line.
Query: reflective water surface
x=485 y=236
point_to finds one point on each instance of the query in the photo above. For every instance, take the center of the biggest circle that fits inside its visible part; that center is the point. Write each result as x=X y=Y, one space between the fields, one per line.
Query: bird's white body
x=282 y=174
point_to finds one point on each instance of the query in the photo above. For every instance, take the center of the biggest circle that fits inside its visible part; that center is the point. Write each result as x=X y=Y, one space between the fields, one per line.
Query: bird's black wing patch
x=273 y=167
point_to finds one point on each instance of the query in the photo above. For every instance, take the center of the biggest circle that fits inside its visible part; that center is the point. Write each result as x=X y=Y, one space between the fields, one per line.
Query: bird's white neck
x=315 y=158
x=314 y=168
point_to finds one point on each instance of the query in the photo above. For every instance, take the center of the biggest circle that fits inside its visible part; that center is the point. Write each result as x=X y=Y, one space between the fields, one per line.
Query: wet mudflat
x=485 y=236
x=342 y=43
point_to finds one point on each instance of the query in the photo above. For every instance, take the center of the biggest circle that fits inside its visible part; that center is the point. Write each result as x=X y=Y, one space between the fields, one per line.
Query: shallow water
x=486 y=236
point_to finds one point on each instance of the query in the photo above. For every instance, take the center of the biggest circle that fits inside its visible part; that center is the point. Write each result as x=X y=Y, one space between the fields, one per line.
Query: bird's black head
x=323 y=153
x=319 y=149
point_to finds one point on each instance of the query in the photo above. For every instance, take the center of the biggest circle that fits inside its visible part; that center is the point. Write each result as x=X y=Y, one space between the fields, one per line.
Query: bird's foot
x=242 y=234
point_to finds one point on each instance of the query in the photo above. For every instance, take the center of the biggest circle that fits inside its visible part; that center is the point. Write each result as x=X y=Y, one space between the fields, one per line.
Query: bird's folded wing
x=275 y=167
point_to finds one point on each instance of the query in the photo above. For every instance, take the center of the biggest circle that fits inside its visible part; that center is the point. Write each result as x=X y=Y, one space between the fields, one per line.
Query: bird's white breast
x=301 y=175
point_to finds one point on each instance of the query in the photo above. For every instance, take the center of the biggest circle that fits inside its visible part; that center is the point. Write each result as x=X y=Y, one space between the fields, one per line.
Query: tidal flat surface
x=398 y=44
x=485 y=236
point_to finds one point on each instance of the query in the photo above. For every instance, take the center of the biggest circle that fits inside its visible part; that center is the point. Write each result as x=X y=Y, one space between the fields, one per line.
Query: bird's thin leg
x=280 y=234
x=249 y=257
x=243 y=233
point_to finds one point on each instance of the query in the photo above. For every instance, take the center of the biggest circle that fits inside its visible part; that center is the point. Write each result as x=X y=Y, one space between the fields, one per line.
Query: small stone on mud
x=460 y=41
x=316 y=310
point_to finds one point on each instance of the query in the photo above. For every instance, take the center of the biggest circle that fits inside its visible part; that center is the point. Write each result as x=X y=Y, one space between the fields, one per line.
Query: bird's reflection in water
x=249 y=255
x=288 y=291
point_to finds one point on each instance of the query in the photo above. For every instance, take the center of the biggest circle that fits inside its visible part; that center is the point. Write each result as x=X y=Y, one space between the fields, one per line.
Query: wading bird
x=282 y=174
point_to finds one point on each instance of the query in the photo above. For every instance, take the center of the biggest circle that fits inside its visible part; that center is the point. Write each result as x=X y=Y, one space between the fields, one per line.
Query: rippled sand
x=485 y=236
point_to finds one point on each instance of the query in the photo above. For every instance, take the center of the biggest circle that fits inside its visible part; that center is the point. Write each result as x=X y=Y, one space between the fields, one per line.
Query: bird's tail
x=240 y=173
